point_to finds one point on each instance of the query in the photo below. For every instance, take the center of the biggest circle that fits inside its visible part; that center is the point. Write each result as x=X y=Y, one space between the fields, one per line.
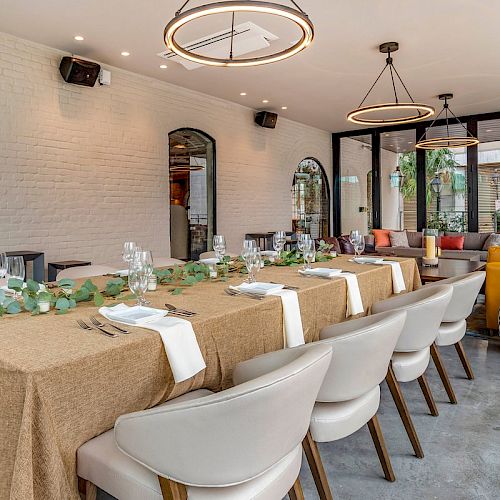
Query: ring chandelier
x=295 y=15
x=448 y=141
x=361 y=114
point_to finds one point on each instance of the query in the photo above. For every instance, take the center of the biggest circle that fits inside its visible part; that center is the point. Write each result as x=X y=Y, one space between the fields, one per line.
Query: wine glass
x=145 y=258
x=252 y=262
x=128 y=251
x=138 y=280
x=248 y=245
x=279 y=240
x=309 y=253
x=3 y=264
x=219 y=245
x=357 y=241
x=16 y=269
x=302 y=238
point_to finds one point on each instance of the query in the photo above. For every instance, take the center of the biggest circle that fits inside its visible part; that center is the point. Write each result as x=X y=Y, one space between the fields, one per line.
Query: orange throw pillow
x=382 y=238
x=452 y=242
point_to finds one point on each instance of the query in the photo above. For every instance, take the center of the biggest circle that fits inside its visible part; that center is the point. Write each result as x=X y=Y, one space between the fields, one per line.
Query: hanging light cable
x=361 y=113
x=294 y=14
x=448 y=141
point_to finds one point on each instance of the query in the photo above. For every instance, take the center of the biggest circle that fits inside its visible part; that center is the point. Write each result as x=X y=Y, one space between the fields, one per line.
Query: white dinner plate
x=136 y=315
x=368 y=260
x=322 y=272
x=258 y=288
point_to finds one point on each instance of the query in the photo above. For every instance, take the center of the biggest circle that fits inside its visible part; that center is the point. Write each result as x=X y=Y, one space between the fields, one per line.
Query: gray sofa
x=473 y=247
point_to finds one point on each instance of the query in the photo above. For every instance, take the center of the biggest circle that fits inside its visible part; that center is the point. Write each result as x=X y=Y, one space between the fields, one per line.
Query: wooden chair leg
x=172 y=490
x=296 y=492
x=404 y=413
x=443 y=373
x=316 y=466
x=424 y=385
x=465 y=361
x=90 y=491
x=378 y=441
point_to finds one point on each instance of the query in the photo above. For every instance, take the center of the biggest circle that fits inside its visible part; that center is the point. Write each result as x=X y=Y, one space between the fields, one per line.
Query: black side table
x=53 y=267
x=38 y=262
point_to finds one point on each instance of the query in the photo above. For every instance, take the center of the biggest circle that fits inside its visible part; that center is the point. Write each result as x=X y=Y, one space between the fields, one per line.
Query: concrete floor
x=461 y=446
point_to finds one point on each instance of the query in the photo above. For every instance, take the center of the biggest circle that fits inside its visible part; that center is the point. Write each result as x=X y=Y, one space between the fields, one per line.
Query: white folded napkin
x=183 y=352
x=354 y=302
x=321 y=272
x=398 y=282
x=293 y=332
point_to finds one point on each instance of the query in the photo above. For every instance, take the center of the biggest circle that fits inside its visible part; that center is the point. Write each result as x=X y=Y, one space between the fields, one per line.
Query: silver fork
x=96 y=322
x=177 y=310
x=235 y=293
x=84 y=326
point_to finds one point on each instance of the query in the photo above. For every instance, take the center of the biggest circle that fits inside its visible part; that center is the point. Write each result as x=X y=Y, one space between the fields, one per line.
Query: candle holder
x=430 y=242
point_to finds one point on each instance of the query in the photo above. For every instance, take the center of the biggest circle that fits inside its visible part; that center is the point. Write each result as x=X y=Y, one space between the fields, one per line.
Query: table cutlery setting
x=178 y=311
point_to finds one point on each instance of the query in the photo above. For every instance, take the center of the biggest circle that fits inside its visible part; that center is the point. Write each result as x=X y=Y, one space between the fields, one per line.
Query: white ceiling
x=445 y=46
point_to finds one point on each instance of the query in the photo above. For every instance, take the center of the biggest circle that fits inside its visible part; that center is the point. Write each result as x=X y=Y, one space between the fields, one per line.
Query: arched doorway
x=192 y=192
x=311 y=199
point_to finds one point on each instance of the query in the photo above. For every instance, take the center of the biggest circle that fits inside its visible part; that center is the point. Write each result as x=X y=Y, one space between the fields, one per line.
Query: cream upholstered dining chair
x=167 y=262
x=211 y=255
x=350 y=394
x=452 y=330
x=239 y=444
x=425 y=310
x=85 y=272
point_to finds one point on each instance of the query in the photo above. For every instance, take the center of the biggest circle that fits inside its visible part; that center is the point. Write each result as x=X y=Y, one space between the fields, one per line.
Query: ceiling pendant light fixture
x=413 y=111
x=449 y=141
x=295 y=15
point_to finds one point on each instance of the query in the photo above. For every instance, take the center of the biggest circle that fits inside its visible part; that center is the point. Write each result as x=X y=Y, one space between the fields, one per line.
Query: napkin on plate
x=321 y=272
x=398 y=282
x=293 y=331
x=179 y=340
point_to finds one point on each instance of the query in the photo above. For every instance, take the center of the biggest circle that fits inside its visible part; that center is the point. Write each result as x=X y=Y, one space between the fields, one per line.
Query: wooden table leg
x=172 y=490
x=378 y=441
x=296 y=492
x=424 y=385
x=464 y=359
x=443 y=373
x=316 y=466
x=400 y=402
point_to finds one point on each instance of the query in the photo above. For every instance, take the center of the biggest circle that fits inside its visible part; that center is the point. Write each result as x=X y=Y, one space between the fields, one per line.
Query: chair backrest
x=465 y=291
x=85 y=272
x=425 y=311
x=167 y=262
x=361 y=352
x=232 y=436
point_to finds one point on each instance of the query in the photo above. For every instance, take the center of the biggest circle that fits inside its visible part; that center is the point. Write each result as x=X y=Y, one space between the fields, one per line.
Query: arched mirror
x=311 y=199
x=192 y=192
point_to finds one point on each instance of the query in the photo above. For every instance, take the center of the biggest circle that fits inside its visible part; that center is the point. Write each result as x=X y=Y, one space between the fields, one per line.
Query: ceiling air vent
x=248 y=37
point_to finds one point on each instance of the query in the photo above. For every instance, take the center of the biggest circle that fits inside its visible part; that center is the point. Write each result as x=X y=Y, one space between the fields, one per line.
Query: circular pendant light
x=447 y=141
x=295 y=15
x=410 y=111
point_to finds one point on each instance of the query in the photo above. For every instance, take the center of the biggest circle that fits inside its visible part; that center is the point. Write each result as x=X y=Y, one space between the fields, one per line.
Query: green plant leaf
x=29 y=302
x=14 y=307
x=81 y=295
x=44 y=296
x=176 y=291
x=98 y=299
x=199 y=276
x=66 y=283
x=62 y=303
x=36 y=311
x=61 y=311
x=15 y=284
x=33 y=286
x=2 y=296
x=2 y=310
x=90 y=286
x=72 y=303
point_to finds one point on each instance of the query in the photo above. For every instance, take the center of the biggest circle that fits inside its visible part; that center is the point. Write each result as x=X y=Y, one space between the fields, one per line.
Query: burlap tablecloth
x=61 y=386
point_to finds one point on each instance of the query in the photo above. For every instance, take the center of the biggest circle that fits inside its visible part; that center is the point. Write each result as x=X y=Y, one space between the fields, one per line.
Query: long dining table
x=61 y=386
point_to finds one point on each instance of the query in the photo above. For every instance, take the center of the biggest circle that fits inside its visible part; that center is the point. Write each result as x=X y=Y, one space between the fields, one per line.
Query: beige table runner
x=61 y=386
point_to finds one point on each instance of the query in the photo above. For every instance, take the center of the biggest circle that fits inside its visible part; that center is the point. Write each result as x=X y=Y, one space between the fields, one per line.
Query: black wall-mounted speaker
x=266 y=119
x=78 y=71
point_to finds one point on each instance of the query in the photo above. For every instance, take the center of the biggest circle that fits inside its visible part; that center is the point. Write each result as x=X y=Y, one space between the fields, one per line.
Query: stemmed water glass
x=358 y=242
x=138 y=277
x=248 y=245
x=129 y=248
x=219 y=245
x=143 y=261
x=252 y=262
x=279 y=240
x=309 y=253
x=15 y=268
x=302 y=238
x=3 y=264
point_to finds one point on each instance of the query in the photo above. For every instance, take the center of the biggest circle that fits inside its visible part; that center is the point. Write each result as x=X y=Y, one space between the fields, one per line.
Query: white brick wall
x=84 y=169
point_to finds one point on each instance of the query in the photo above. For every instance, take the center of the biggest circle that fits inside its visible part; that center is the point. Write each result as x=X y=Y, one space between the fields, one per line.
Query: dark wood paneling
x=336 y=200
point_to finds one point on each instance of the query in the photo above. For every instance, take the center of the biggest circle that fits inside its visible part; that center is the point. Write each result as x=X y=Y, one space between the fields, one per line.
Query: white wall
x=84 y=169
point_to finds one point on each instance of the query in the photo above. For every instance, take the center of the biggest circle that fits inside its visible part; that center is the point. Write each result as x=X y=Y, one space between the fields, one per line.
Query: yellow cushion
x=492 y=291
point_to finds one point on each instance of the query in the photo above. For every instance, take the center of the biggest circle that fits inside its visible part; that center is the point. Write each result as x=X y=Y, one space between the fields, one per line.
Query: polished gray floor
x=461 y=446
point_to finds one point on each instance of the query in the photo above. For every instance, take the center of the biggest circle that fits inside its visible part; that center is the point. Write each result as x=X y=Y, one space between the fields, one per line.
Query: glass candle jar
x=152 y=283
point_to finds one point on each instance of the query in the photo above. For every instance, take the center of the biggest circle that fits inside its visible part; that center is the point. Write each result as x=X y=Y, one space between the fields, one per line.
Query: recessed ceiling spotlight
x=79 y=38
x=163 y=66
x=125 y=54
x=284 y=107
x=265 y=101
x=243 y=93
